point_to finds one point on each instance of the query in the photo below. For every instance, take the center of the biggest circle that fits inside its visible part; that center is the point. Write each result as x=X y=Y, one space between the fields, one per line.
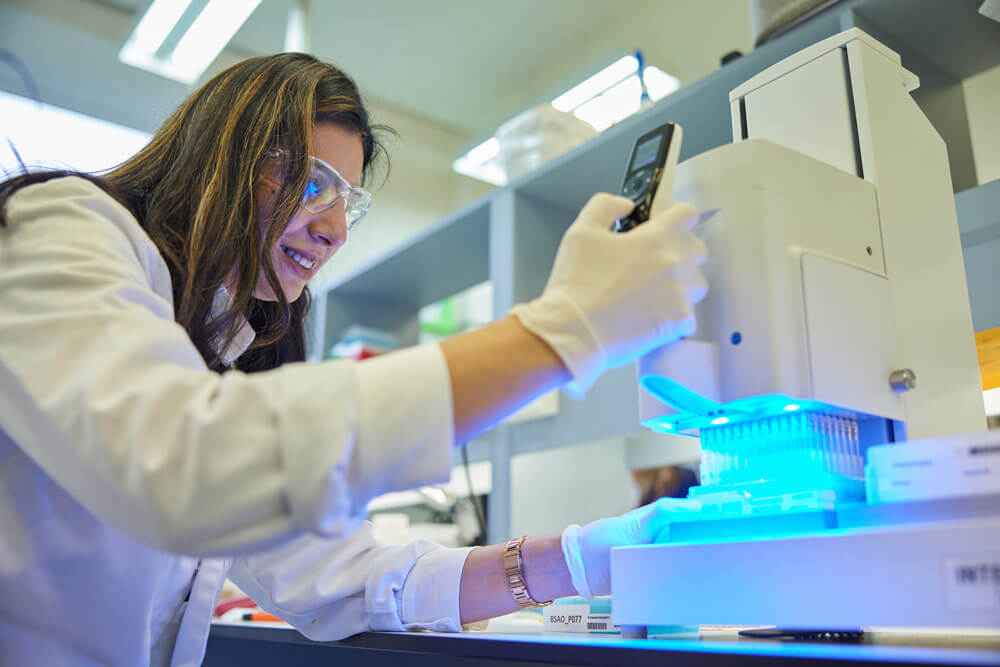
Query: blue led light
x=693 y=416
x=779 y=462
x=766 y=455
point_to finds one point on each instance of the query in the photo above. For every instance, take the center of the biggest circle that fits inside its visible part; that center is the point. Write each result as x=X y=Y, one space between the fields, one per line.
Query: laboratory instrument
x=847 y=477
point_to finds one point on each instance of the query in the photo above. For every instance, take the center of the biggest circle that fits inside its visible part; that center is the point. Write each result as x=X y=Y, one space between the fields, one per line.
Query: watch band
x=512 y=565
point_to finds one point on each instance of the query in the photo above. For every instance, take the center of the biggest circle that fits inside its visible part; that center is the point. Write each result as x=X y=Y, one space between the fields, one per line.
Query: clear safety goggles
x=325 y=187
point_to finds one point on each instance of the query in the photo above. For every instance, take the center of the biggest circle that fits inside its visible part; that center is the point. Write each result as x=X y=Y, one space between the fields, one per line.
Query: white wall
x=982 y=102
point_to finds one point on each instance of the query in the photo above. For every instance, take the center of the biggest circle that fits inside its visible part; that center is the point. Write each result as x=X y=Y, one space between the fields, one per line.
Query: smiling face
x=310 y=239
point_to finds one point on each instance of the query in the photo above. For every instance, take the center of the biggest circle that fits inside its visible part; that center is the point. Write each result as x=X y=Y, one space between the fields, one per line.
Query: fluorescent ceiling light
x=596 y=84
x=179 y=39
x=156 y=24
x=478 y=163
x=615 y=93
x=489 y=172
x=659 y=84
x=484 y=152
x=618 y=102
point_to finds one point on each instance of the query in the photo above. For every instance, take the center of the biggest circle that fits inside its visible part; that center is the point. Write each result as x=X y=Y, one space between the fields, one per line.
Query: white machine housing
x=835 y=258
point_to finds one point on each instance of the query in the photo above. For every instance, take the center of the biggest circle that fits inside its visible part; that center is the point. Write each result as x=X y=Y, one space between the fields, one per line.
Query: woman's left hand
x=587 y=549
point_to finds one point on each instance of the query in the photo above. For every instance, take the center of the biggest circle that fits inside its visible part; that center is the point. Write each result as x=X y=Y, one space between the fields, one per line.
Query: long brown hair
x=192 y=189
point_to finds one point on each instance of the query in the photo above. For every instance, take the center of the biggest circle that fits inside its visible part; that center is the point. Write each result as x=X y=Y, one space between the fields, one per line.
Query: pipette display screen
x=646 y=152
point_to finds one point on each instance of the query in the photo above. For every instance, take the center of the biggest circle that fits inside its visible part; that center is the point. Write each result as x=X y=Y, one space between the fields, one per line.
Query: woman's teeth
x=302 y=261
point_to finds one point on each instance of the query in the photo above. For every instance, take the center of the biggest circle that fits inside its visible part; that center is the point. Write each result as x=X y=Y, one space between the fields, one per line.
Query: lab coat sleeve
x=108 y=395
x=330 y=588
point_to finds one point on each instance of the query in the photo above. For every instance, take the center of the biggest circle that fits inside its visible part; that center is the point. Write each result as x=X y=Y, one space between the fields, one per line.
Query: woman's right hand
x=612 y=297
x=587 y=549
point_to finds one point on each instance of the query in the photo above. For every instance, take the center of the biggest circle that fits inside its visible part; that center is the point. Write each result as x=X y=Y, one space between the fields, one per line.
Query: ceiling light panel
x=210 y=26
x=596 y=84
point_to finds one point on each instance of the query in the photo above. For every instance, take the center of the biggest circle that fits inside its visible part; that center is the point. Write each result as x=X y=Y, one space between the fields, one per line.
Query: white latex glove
x=587 y=550
x=612 y=297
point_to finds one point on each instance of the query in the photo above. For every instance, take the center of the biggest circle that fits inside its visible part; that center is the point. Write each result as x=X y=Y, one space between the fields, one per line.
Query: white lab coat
x=124 y=462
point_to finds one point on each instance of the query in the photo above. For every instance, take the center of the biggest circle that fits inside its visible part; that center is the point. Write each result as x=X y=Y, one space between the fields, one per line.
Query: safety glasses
x=325 y=187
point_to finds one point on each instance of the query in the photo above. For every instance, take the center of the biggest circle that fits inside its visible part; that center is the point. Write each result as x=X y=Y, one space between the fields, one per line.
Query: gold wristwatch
x=515 y=575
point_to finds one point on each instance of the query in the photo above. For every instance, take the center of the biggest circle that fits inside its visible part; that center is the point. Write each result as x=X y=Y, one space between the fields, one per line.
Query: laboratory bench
x=244 y=645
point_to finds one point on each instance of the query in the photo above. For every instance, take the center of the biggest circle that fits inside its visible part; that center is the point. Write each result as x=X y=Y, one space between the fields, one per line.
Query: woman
x=156 y=434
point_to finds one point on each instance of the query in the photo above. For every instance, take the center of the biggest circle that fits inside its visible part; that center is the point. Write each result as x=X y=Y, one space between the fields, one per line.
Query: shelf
x=979 y=223
x=951 y=35
x=979 y=213
x=610 y=410
x=388 y=292
x=442 y=260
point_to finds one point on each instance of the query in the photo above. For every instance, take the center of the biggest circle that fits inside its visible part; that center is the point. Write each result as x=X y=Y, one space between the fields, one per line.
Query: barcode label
x=575 y=618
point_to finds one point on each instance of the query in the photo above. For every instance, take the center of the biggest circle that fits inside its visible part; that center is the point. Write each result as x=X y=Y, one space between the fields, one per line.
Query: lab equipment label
x=973 y=582
x=575 y=618
x=566 y=618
